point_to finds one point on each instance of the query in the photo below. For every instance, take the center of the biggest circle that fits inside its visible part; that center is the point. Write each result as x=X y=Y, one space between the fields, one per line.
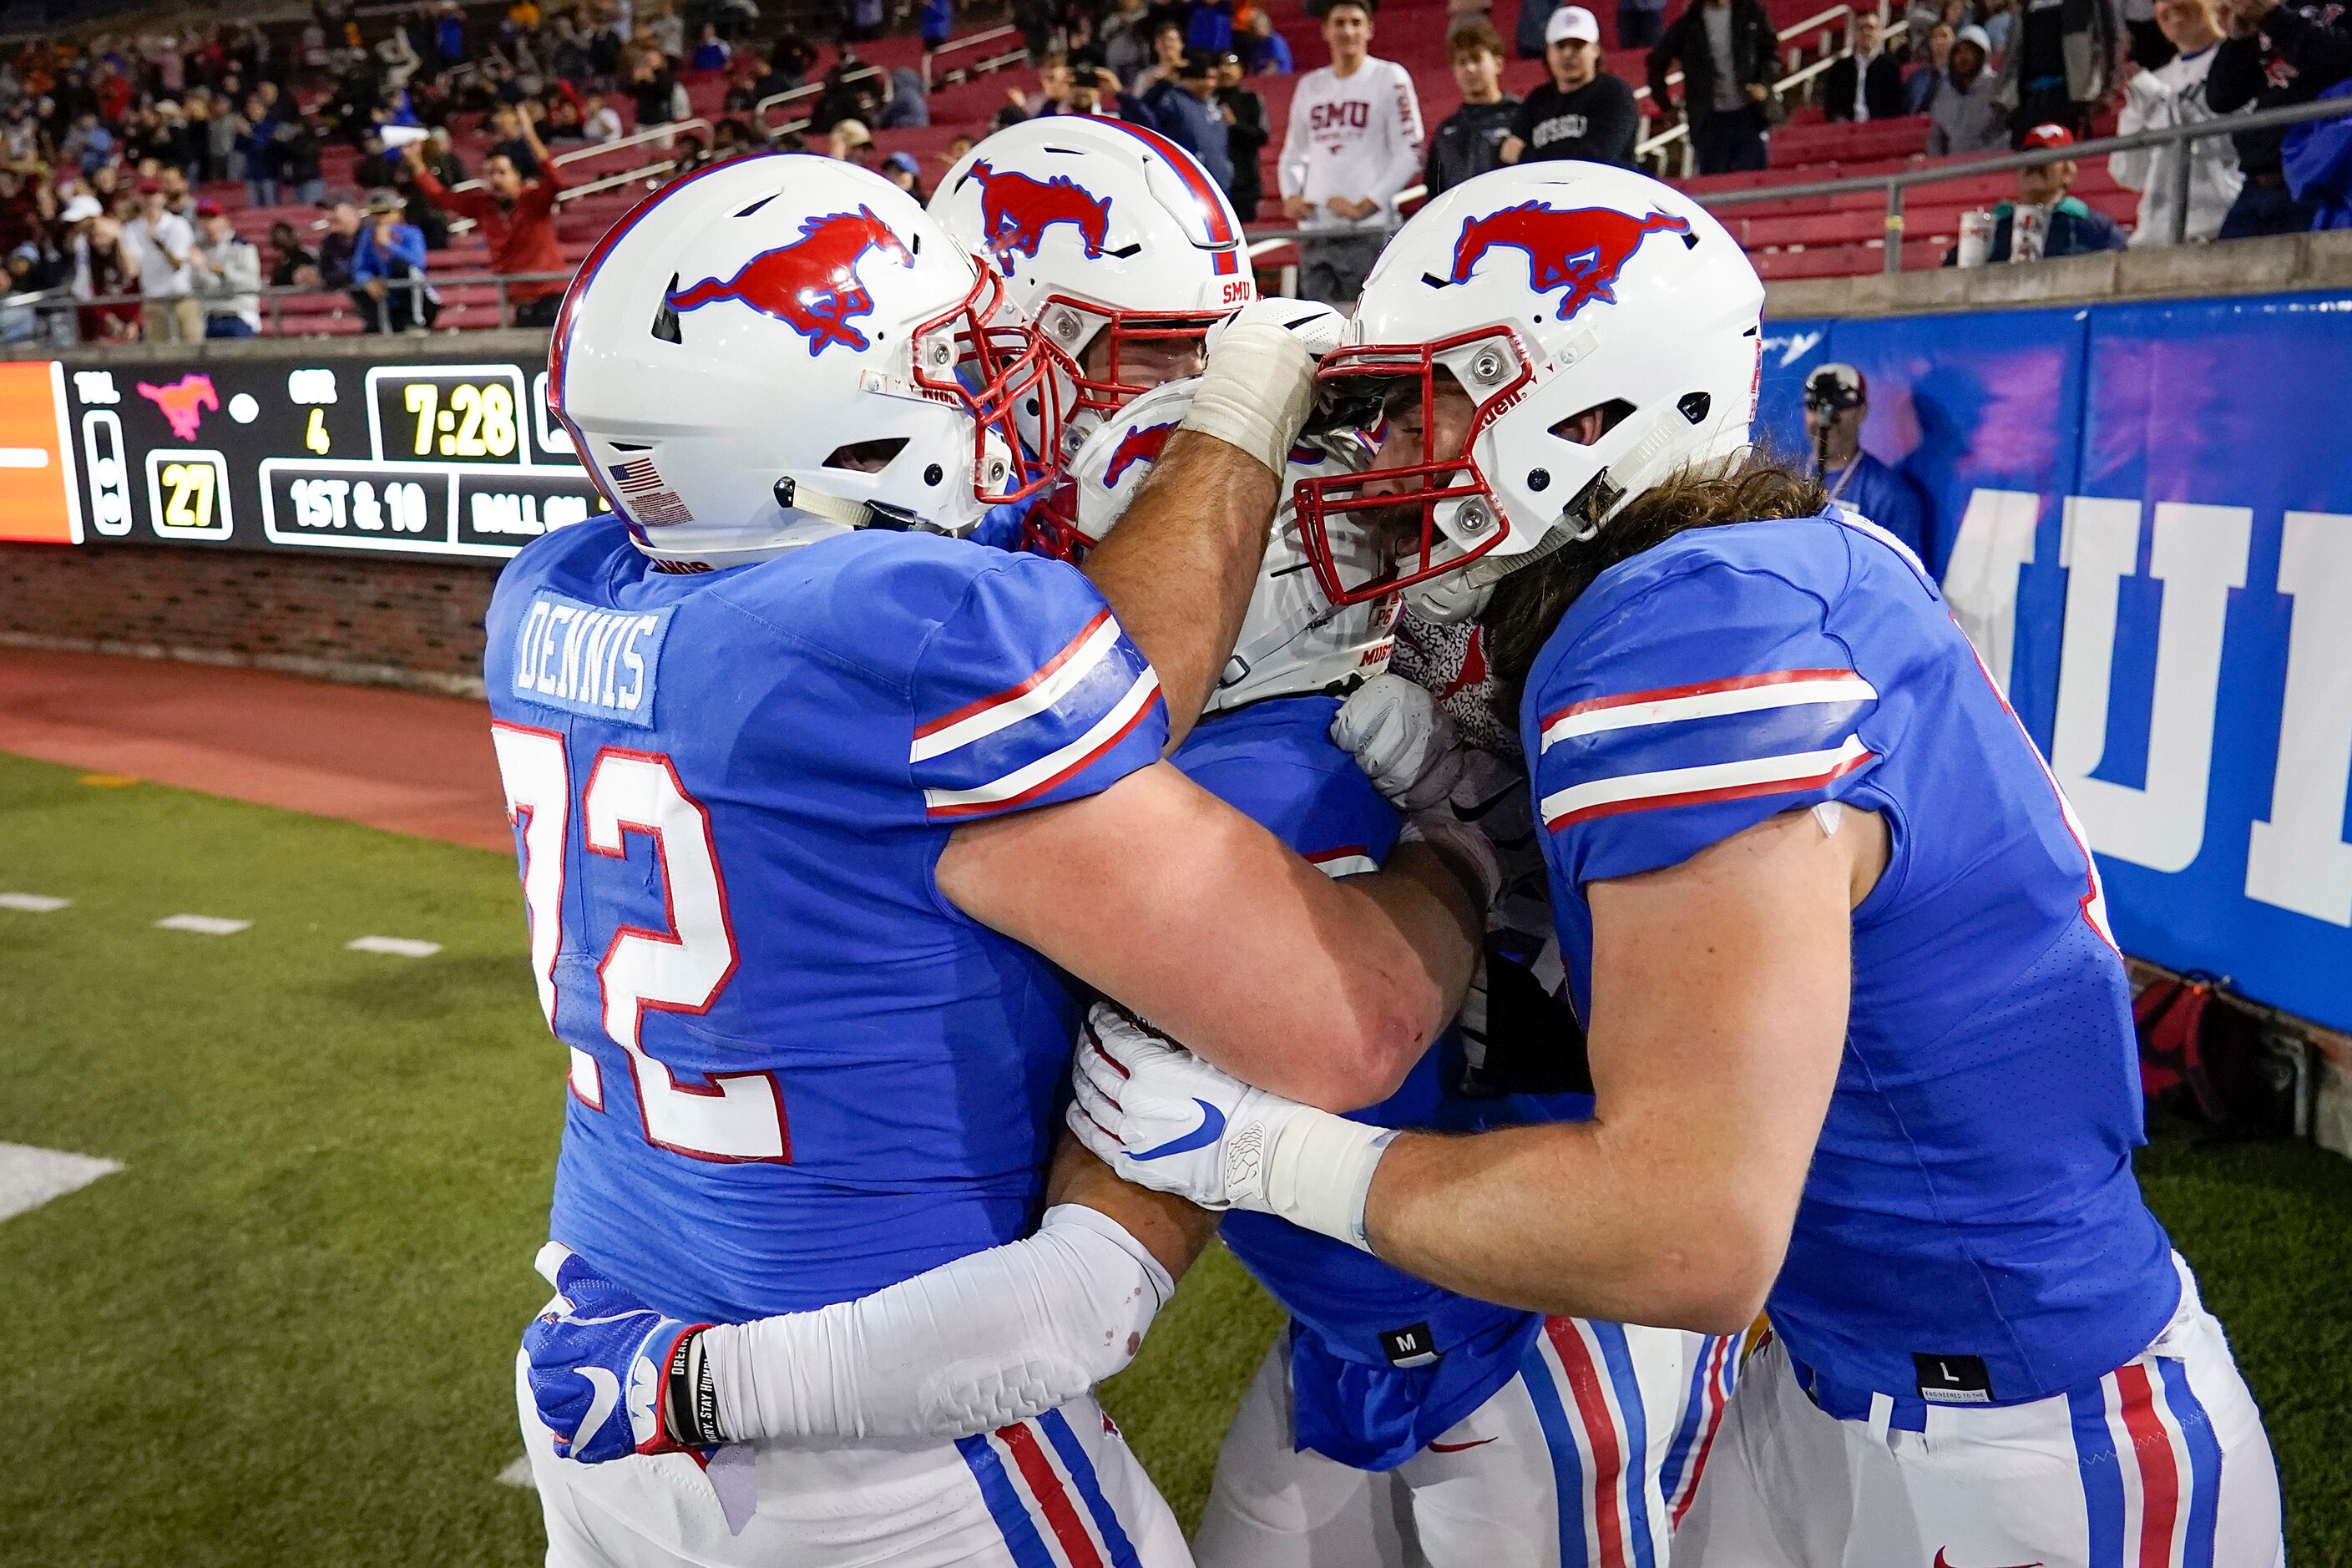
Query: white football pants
x=2162 y=1463
x=1584 y=1461
x=1061 y=1490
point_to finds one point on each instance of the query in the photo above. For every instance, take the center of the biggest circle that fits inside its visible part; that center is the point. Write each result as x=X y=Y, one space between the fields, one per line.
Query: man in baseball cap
x=1837 y=400
x=1582 y=111
x=2067 y=226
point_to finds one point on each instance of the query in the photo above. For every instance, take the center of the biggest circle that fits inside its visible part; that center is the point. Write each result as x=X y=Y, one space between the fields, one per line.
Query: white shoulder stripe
x=1036 y=778
x=1711 y=705
x=1714 y=781
x=1010 y=712
x=1338 y=866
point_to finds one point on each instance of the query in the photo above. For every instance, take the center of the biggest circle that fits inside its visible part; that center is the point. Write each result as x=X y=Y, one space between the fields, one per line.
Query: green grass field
x=284 y=1331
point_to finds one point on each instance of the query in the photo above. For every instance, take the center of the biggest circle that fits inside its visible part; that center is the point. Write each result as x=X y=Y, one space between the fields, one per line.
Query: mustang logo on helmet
x=1142 y=445
x=810 y=285
x=1581 y=249
x=1016 y=211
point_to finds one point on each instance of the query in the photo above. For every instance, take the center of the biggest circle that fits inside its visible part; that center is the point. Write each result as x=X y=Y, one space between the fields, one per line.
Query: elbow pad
x=988 y=1340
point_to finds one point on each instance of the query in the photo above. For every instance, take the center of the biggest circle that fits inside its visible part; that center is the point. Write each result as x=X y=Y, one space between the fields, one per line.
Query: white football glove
x=1402 y=739
x=1259 y=382
x=1162 y=1118
x=1317 y=326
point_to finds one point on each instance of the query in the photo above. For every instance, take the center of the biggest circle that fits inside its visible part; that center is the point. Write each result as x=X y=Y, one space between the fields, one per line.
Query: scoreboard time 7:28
x=286 y=452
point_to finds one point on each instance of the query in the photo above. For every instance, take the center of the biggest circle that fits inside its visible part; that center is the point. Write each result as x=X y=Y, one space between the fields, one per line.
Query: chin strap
x=810 y=515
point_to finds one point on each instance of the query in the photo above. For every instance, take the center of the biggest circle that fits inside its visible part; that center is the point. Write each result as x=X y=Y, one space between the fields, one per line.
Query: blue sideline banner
x=2142 y=513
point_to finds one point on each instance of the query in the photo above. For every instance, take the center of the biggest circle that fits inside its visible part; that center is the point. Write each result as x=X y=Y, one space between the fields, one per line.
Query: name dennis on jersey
x=595 y=662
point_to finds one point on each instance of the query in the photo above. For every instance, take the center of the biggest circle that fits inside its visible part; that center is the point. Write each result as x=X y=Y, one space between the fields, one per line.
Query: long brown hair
x=1529 y=604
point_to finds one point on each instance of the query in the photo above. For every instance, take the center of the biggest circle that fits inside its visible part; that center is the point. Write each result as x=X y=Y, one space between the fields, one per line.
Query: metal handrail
x=973 y=40
x=654 y=133
x=1269 y=240
x=664 y=133
x=969 y=41
x=271 y=296
x=574 y=192
x=1902 y=180
x=1655 y=146
x=795 y=95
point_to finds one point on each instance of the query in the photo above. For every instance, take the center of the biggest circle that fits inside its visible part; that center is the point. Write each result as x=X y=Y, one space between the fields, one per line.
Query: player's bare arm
x=1159 y=894
x=1173 y=1230
x=1719 y=996
x=1719 y=999
x=1178 y=572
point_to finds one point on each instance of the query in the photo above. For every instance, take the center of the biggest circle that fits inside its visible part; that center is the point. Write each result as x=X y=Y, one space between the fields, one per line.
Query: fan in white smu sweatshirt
x=1355 y=137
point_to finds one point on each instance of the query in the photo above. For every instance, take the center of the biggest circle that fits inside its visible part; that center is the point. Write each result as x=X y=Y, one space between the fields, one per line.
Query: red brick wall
x=349 y=617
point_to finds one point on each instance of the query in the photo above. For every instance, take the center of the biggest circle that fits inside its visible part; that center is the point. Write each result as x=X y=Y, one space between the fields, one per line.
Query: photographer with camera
x=1837 y=400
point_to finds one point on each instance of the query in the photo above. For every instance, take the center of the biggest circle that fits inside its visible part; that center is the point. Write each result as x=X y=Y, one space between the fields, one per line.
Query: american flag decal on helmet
x=643 y=496
x=638 y=476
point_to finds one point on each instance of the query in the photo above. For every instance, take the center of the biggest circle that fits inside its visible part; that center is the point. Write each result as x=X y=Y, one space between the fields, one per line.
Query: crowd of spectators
x=105 y=142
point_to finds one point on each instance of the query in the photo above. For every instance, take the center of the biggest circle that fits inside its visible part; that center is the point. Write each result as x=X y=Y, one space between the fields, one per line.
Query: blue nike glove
x=598 y=1352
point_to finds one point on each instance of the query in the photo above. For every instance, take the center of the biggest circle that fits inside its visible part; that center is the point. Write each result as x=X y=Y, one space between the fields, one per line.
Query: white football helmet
x=779 y=349
x=1293 y=640
x=1102 y=227
x=1547 y=290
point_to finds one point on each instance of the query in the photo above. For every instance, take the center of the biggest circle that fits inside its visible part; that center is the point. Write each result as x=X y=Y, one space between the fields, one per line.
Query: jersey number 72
x=737 y=1117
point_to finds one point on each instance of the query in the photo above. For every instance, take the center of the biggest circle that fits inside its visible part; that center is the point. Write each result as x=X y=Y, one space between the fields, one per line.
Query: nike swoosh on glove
x=1402 y=739
x=1316 y=326
x=597 y=1354
x=1162 y=1118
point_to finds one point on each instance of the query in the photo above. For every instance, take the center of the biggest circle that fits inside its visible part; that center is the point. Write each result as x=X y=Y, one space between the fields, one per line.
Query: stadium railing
x=809 y=90
x=1652 y=152
x=801 y=94
x=54 y=309
x=1894 y=185
x=986 y=36
x=664 y=134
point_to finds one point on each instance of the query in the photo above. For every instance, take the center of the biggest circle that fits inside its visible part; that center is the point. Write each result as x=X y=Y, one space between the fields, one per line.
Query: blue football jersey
x=1971 y=1230
x=798 y=1073
x=1381 y=1361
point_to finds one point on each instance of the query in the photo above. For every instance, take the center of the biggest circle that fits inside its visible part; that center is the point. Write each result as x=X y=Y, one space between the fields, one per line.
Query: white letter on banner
x=1995 y=542
x=2298 y=860
x=2199 y=555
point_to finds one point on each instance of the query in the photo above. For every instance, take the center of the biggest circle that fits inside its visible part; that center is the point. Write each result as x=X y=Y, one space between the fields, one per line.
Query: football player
x=1485 y=1431
x=1118 y=248
x=1491 y=1430
x=817 y=804
x=1859 y=1038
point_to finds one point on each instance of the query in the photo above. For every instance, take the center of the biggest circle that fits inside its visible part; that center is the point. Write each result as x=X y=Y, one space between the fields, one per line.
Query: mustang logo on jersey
x=598 y=663
x=1581 y=249
x=810 y=285
x=1016 y=211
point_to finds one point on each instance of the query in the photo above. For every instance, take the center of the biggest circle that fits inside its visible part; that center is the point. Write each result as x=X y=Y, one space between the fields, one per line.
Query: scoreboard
x=317 y=453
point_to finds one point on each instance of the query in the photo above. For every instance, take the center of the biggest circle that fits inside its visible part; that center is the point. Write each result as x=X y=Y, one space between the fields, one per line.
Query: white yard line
x=518 y=1474
x=203 y=925
x=30 y=1177
x=33 y=903
x=398 y=946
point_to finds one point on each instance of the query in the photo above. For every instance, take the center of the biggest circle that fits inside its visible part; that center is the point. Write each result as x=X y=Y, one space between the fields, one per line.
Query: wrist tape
x=1255 y=393
x=1319 y=1171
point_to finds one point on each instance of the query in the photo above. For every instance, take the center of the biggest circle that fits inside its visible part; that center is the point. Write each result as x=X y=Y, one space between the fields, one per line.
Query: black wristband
x=690 y=1398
